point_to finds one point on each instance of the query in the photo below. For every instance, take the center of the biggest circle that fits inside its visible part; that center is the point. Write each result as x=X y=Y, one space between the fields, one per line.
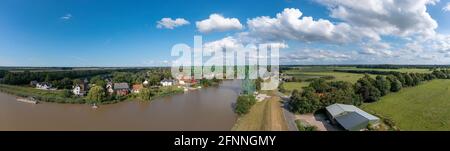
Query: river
x=207 y=109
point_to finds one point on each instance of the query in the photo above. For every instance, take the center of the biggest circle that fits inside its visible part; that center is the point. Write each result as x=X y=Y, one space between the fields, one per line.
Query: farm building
x=121 y=88
x=350 y=117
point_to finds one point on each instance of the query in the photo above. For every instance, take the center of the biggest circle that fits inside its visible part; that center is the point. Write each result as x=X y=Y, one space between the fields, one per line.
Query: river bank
x=59 y=96
x=201 y=110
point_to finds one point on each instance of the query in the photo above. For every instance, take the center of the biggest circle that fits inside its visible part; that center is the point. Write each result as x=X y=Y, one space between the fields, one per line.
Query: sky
x=143 y=32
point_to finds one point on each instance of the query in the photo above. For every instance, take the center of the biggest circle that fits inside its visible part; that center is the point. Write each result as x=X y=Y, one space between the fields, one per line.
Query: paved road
x=289 y=117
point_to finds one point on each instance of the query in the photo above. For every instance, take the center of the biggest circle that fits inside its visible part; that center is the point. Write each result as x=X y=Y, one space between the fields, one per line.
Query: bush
x=305 y=102
x=320 y=85
x=383 y=85
x=281 y=88
x=145 y=94
x=244 y=103
x=365 y=87
x=304 y=127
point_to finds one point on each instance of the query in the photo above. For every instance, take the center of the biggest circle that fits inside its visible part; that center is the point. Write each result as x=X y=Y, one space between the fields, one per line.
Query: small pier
x=28 y=100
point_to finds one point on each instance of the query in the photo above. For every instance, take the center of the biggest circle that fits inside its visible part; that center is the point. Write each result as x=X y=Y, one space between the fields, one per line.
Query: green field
x=404 y=70
x=424 y=107
x=316 y=73
x=305 y=73
x=291 y=86
x=331 y=68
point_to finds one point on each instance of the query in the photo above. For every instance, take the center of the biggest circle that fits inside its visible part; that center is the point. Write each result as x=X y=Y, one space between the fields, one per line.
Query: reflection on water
x=205 y=109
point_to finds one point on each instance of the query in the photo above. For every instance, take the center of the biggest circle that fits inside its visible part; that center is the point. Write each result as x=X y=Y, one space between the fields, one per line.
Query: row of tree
x=23 y=78
x=391 y=66
x=321 y=93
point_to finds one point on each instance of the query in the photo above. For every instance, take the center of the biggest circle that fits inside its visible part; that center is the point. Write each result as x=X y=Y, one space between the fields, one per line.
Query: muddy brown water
x=204 y=110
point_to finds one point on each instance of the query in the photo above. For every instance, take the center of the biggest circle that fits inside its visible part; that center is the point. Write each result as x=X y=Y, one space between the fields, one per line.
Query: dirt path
x=263 y=116
x=277 y=122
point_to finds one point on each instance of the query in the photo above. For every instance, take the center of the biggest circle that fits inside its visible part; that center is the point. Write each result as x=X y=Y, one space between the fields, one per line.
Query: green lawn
x=291 y=86
x=30 y=90
x=339 y=76
x=424 y=107
x=409 y=70
x=331 y=68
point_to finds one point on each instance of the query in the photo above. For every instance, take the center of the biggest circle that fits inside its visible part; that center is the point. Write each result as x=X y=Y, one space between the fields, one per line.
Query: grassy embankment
x=424 y=107
x=266 y=115
x=56 y=96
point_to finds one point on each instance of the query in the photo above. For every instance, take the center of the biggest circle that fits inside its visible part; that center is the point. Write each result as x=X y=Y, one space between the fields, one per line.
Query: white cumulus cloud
x=292 y=25
x=170 y=23
x=217 y=22
x=386 y=17
x=446 y=7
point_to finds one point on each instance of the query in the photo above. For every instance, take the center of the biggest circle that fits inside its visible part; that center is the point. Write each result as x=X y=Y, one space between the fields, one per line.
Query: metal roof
x=121 y=86
x=352 y=121
x=350 y=117
x=339 y=109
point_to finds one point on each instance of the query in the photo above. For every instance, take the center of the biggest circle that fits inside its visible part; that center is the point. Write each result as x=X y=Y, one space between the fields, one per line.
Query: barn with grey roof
x=350 y=117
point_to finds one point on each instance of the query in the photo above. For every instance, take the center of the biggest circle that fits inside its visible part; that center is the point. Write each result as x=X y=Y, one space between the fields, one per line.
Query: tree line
x=392 y=66
x=321 y=93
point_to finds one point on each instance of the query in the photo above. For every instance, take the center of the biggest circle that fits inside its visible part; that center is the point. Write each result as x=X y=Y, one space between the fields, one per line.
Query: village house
x=187 y=81
x=145 y=82
x=167 y=82
x=109 y=87
x=137 y=88
x=44 y=86
x=121 y=88
x=79 y=90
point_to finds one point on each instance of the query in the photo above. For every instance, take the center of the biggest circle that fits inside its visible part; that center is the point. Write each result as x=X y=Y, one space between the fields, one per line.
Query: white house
x=166 y=82
x=145 y=82
x=43 y=86
x=79 y=90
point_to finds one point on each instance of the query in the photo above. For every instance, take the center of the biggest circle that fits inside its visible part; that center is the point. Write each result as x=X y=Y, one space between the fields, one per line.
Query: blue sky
x=125 y=32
